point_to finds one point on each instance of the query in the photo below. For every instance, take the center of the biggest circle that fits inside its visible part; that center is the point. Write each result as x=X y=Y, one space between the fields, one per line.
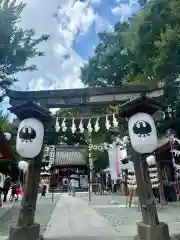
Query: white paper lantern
x=23 y=166
x=142 y=132
x=29 y=138
x=151 y=160
x=7 y=135
x=125 y=140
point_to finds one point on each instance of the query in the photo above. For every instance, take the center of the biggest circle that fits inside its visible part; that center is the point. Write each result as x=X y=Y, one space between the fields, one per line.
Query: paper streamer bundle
x=131 y=180
x=153 y=172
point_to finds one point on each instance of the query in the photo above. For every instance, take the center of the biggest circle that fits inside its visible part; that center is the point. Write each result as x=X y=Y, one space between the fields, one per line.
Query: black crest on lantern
x=27 y=134
x=142 y=129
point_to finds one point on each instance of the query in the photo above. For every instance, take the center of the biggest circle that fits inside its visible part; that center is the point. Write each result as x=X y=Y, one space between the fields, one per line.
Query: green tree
x=151 y=51
x=5 y=125
x=17 y=45
x=111 y=61
x=153 y=37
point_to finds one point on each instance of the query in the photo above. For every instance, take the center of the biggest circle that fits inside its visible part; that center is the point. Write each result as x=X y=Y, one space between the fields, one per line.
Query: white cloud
x=102 y=25
x=126 y=10
x=116 y=10
x=60 y=66
x=74 y=18
x=96 y=2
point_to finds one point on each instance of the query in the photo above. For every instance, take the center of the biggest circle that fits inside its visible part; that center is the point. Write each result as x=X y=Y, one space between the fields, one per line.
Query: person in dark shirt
x=6 y=187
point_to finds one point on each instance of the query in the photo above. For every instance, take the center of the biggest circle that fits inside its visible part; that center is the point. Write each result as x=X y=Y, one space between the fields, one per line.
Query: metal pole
x=54 y=172
x=89 y=190
x=90 y=165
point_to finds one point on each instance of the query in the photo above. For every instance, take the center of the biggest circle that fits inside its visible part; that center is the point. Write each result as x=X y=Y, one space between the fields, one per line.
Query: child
x=13 y=193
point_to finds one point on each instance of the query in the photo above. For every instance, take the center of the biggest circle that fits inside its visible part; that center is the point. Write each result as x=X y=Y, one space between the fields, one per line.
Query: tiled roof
x=69 y=156
x=163 y=141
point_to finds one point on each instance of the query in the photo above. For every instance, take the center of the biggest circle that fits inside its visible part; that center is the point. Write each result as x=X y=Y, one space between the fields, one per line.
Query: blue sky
x=73 y=26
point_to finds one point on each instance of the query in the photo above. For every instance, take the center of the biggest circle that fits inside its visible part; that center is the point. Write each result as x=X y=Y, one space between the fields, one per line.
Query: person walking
x=73 y=184
x=44 y=187
x=14 y=194
x=6 y=187
x=65 y=183
x=2 y=178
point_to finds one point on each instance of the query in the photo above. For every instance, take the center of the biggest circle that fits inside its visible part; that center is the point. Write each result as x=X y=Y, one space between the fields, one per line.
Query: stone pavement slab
x=124 y=219
x=4 y=209
x=44 y=210
x=91 y=238
x=3 y=237
x=72 y=217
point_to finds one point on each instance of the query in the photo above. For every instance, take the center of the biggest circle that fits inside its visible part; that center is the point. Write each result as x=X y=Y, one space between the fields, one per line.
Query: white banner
x=114 y=163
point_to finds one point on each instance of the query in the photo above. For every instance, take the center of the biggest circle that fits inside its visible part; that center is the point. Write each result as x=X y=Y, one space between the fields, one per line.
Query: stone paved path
x=44 y=210
x=72 y=218
x=124 y=219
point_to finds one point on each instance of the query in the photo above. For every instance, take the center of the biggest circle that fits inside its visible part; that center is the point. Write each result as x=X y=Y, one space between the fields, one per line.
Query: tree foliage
x=147 y=48
x=17 y=45
x=110 y=63
x=5 y=125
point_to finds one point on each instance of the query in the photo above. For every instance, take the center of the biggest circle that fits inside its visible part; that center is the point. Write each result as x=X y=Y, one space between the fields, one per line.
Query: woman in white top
x=73 y=184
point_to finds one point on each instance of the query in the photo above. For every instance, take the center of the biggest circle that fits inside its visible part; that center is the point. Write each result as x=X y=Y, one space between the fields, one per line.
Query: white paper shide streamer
x=175 y=153
x=107 y=124
x=57 y=126
x=131 y=180
x=81 y=127
x=89 y=126
x=153 y=172
x=63 y=125
x=97 y=127
x=115 y=122
x=73 y=128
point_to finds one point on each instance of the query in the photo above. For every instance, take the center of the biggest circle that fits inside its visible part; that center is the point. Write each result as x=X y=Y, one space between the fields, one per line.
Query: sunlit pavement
x=76 y=218
x=122 y=219
x=88 y=238
x=44 y=210
x=72 y=218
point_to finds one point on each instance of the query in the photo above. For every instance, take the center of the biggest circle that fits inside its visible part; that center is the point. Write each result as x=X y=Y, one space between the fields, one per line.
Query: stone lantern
x=143 y=142
x=29 y=145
